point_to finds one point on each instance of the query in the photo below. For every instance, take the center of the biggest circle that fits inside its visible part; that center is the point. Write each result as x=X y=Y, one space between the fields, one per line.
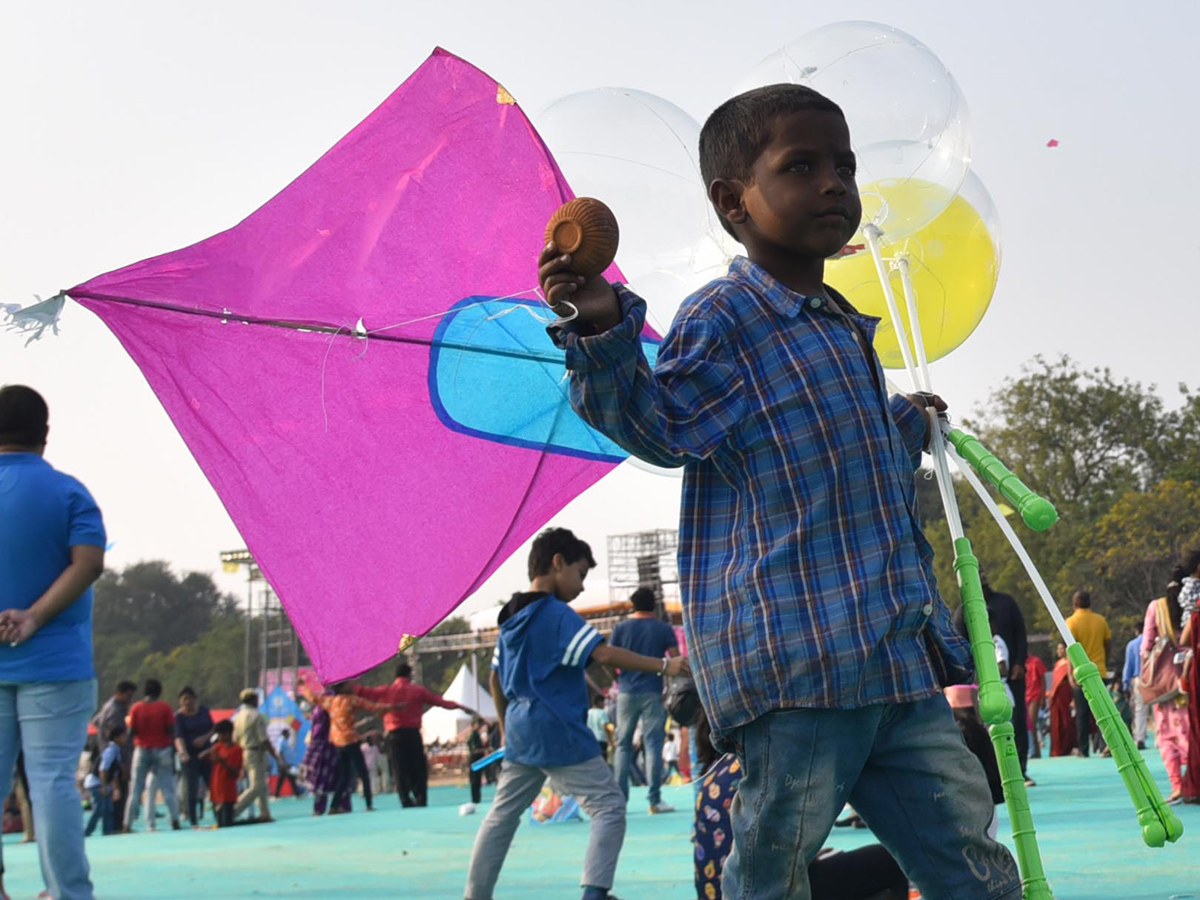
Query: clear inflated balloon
x=638 y=153
x=907 y=116
x=953 y=261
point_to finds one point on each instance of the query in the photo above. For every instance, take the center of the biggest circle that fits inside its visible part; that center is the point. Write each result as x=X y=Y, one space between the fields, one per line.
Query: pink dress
x=1170 y=718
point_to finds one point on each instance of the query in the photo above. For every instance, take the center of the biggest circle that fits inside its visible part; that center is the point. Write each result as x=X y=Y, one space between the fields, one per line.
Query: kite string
x=437 y=315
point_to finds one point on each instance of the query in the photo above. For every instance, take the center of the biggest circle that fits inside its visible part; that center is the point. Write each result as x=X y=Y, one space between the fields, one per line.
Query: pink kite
x=360 y=368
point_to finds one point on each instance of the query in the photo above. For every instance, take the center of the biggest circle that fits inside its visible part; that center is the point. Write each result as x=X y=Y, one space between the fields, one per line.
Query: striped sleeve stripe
x=578 y=643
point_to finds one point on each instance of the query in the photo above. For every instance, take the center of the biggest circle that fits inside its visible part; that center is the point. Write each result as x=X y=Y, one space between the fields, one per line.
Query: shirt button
x=815 y=302
x=927 y=609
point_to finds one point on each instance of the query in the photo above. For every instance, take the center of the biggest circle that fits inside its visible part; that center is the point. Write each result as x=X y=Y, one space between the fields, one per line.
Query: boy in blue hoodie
x=541 y=696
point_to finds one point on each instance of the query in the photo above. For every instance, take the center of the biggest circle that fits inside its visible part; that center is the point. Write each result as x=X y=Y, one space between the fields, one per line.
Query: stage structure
x=644 y=558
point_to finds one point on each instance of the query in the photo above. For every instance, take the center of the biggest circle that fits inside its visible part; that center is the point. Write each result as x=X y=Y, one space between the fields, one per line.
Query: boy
x=541 y=696
x=227 y=769
x=811 y=609
x=106 y=789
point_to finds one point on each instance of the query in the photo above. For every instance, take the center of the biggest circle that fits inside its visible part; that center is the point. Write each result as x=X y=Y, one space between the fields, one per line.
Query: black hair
x=735 y=133
x=285 y=733
x=1174 y=586
x=24 y=416
x=403 y=670
x=153 y=688
x=225 y=726
x=552 y=542
x=1082 y=600
x=1189 y=561
x=126 y=687
x=643 y=599
x=186 y=691
x=115 y=731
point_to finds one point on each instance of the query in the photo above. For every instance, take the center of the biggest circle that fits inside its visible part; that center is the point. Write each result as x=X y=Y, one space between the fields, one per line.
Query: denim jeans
x=159 y=762
x=907 y=772
x=102 y=813
x=48 y=720
x=649 y=710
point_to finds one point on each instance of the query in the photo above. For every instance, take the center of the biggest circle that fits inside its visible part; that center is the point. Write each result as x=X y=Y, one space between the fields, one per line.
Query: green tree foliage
x=150 y=623
x=1123 y=472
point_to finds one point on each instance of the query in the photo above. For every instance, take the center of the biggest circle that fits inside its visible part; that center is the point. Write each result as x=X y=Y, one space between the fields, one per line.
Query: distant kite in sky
x=361 y=368
x=1052 y=142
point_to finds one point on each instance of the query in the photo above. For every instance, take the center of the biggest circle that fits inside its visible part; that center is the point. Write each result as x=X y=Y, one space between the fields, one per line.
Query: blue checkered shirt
x=806 y=580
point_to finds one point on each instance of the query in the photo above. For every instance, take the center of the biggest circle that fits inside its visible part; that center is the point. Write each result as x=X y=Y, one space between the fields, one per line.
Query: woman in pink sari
x=1163 y=619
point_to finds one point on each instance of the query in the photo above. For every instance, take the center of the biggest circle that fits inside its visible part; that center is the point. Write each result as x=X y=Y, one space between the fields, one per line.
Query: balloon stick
x=994 y=705
x=1036 y=512
x=1158 y=823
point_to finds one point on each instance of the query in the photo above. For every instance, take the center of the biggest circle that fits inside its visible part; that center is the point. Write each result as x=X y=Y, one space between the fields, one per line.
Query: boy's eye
x=846 y=171
x=799 y=166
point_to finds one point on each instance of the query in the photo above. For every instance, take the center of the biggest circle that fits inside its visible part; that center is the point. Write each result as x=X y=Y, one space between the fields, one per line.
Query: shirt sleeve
x=433 y=699
x=680 y=410
x=577 y=639
x=87 y=525
x=669 y=640
x=496 y=658
x=911 y=422
x=373 y=693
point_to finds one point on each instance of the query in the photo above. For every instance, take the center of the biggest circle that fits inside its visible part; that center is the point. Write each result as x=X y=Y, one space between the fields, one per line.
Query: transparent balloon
x=954 y=263
x=907 y=116
x=638 y=153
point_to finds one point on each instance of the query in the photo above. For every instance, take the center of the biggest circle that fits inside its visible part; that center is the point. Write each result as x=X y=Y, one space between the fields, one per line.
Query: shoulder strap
x=1165 y=628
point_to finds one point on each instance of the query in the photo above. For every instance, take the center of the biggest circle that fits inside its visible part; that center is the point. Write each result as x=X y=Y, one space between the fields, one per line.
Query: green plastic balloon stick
x=1036 y=512
x=1033 y=876
x=994 y=705
x=1158 y=822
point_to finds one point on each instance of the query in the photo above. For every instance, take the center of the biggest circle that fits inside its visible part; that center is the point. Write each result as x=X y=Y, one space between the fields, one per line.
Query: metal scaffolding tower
x=280 y=655
x=643 y=558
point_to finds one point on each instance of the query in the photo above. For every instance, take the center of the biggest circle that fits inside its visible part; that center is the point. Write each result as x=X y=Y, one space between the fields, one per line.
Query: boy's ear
x=558 y=562
x=726 y=196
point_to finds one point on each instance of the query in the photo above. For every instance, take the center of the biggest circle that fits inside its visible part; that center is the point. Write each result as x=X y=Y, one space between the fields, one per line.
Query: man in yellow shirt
x=1093 y=634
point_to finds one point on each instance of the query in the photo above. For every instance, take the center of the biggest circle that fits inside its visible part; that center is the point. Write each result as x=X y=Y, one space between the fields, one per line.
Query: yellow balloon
x=954 y=262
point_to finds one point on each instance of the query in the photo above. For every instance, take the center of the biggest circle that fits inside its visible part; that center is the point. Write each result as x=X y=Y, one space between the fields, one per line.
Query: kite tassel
x=36 y=318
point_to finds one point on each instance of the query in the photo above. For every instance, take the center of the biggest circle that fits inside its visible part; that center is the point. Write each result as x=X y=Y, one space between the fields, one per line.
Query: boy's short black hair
x=153 y=688
x=403 y=670
x=735 y=133
x=126 y=687
x=1082 y=600
x=643 y=599
x=115 y=731
x=24 y=417
x=186 y=691
x=551 y=542
x=225 y=726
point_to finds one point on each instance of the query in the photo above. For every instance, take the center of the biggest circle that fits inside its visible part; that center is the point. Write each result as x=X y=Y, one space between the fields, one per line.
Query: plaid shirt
x=806 y=580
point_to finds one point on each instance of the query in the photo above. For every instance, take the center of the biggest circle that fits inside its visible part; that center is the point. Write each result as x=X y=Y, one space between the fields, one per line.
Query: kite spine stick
x=1036 y=512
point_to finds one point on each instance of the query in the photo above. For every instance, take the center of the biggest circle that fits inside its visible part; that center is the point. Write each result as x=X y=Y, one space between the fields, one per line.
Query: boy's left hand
x=925 y=400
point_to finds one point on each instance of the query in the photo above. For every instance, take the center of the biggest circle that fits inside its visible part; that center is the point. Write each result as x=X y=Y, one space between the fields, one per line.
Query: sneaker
x=660 y=807
x=1141 y=745
x=1029 y=782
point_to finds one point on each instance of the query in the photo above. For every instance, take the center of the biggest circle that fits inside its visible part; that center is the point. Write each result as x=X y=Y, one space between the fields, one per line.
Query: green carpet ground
x=1086 y=826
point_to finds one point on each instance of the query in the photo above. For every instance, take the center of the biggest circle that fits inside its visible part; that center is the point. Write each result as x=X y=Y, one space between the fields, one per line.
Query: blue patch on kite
x=495 y=374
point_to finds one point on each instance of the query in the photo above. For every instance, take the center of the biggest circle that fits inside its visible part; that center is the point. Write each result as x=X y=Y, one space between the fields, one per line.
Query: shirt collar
x=782 y=298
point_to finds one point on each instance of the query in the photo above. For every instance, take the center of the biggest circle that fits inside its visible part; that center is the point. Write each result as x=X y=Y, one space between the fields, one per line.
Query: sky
x=135 y=128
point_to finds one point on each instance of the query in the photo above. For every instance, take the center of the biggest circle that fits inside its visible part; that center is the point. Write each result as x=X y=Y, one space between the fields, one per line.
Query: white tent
x=444 y=724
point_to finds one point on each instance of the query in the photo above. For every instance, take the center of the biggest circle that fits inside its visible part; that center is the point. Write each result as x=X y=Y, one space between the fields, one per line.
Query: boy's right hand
x=678 y=665
x=595 y=299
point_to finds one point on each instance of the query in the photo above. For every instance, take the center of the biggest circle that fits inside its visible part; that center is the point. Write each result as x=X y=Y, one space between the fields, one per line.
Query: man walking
x=51 y=551
x=1129 y=676
x=250 y=732
x=1092 y=632
x=640 y=697
x=152 y=724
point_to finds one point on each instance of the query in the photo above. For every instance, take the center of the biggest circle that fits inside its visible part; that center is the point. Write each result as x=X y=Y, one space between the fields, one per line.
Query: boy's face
x=802 y=199
x=568 y=577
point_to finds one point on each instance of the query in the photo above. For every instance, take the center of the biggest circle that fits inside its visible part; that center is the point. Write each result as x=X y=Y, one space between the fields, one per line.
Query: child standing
x=105 y=783
x=810 y=605
x=227 y=760
x=541 y=695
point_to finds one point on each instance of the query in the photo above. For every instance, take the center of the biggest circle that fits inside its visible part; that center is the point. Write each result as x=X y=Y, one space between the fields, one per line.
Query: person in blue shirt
x=640 y=697
x=108 y=786
x=541 y=697
x=811 y=610
x=51 y=550
x=1133 y=668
